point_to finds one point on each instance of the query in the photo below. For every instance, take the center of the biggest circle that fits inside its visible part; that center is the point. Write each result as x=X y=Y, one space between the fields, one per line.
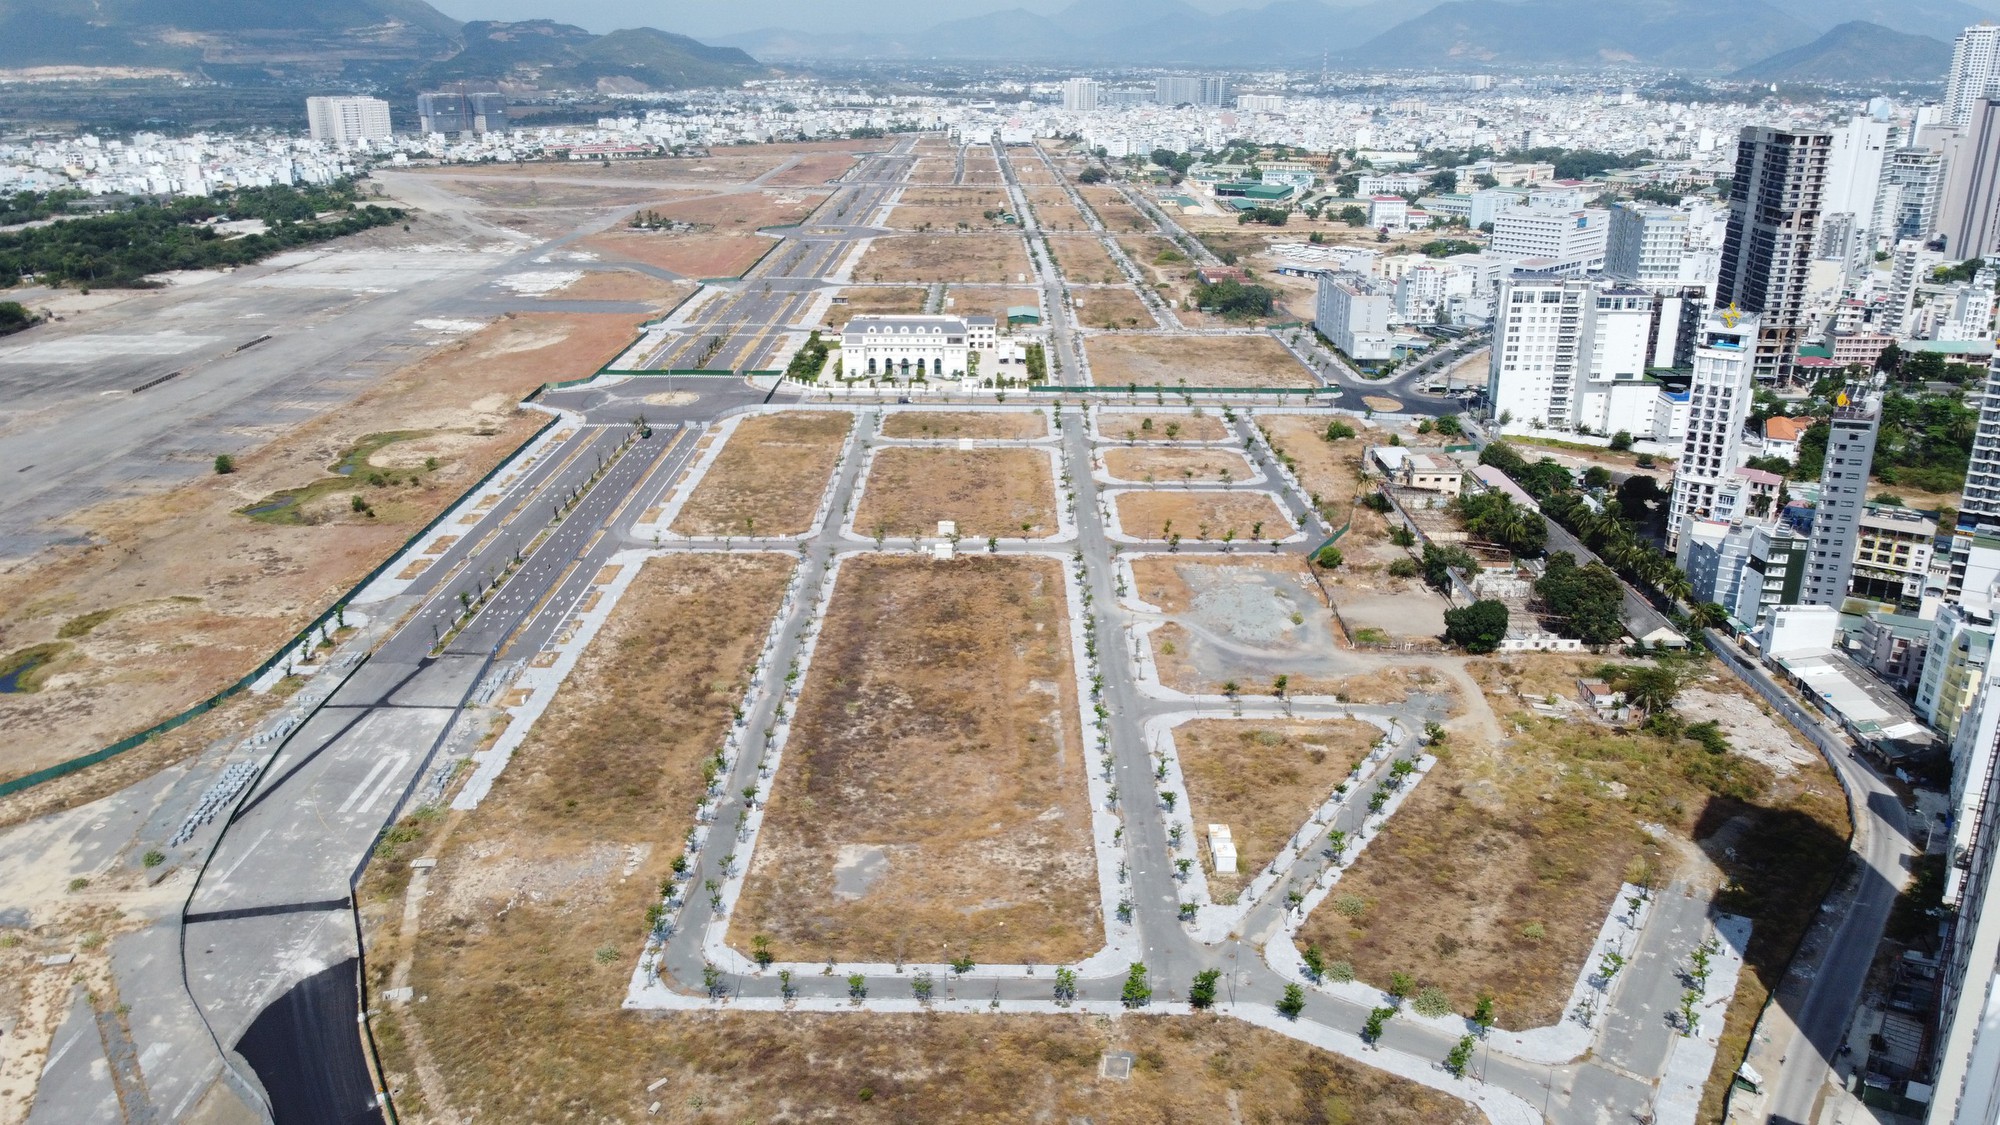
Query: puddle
x=857 y=868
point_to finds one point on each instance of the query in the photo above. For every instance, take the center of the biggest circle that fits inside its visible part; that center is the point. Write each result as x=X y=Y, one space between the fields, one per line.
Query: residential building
x=1969 y=212
x=1719 y=402
x=1774 y=210
x=1201 y=91
x=1892 y=554
x=1979 y=503
x=1645 y=244
x=1261 y=103
x=1391 y=183
x=1782 y=434
x=1955 y=663
x=904 y=348
x=1854 y=175
x=1081 y=95
x=1966 y=1083
x=1857 y=349
x=1572 y=242
x=345 y=120
x=1975 y=63
x=1485 y=205
x=462 y=112
x=1353 y=312
x=1843 y=492
x=1969 y=315
x=1912 y=265
x=1892 y=646
x=1912 y=187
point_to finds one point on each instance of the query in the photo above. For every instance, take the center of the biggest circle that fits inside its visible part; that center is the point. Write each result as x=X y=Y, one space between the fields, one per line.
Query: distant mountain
x=1700 y=35
x=546 y=54
x=1856 y=51
x=1939 y=19
x=382 y=43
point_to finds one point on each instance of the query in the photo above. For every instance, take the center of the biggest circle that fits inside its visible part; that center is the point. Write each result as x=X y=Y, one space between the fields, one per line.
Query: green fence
x=1123 y=389
x=60 y=769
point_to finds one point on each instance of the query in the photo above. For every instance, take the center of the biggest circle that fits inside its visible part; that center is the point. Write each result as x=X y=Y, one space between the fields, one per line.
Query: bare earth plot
x=932 y=792
x=181 y=594
x=988 y=258
x=989 y=492
x=769 y=479
x=1113 y=211
x=1201 y=515
x=1156 y=256
x=738 y=212
x=1053 y=210
x=689 y=255
x=950 y=207
x=812 y=171
x=1195 y=361
x=988 y=301
x=1247 y=620
x=1151 y=464
x=874 y=302
x=1112 y=307
x=1263 y=780
x=625 y=285
x=1082 y=258
x=1499 y=870
x=1137 y=426
x=994 y=425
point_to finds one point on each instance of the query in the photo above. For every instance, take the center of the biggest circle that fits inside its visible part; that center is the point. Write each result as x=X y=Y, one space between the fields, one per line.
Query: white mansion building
x=913 y=347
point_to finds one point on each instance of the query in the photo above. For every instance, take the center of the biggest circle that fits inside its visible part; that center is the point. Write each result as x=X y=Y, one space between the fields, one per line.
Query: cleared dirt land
x=1263 y=780
x=1247 y=619
x=988 y=301
x=950 y=208
x=1194 y=361
x=1497 y=873
x=1200 y=515
x=689 y=255
x=1126 y=425
x=1082 y=258
x=1112 y=209
x=1053 y=210
x=769 y=478
x=994 y=425
x=986 y=258
x=1151 y=464
x=1329 y=470
x=873 y=302
x=933 y=788
x=180 y=593
x=1000 y=492
x=1112 y=307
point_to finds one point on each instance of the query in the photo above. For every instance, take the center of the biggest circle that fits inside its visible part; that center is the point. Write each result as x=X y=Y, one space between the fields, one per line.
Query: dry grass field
x=986 y=300
x=948 y=208
x=1083 y=259
x=1112 y=307
x=738 y=212
x=769 y=478
x=1151 y=464
x=1329 y=470
x=1263 y=780
x=1054 y=211
x=1195 y=361
x=689 y=255
x=986 y=258
x=1112 y=209
x=1156 y=256
x=989 y=492
x=1133 y=426
x=178 y=594
x=1497 y=873
x=1193 y=515
x=873 y=302
x=932 y=793
x=991 y=425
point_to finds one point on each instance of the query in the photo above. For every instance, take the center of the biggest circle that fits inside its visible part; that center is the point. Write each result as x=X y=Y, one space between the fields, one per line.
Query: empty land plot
x=985 y=258
x=874 y=302
x=814 y=169
x=532 y=192
x=1156 y=256
x=989 y=492
x=769 y=478
x=741 y=211
x=1246 y=619
x=1134 y=426
x=1194 y=514
x=197 y=593
x=1195 y=465
x=962 y=208
x=1053 y=209
x=1263 y=780
x=990 y=301
x=1114 y=211
x=932 y=791
x=624 y=285
x=1082 y=258
x=1195 y=361
x=994 y=425
x=689 y=255
x=1112 y=307
x=1329 y=470
x=1499 y=870
x=1030 y=169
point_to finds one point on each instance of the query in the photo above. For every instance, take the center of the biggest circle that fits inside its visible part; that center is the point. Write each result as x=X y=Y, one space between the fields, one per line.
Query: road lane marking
x=388 y=779
x=380 y=765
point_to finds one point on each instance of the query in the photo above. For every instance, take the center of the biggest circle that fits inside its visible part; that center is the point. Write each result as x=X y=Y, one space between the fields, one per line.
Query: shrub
x=1328 y=558
x=1405 y=568
x=1431 y=1001
x=224 y=464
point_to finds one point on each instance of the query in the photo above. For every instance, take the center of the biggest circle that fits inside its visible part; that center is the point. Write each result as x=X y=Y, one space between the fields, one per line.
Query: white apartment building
x=1975 y=61
x=1718 y=402
x=1571 y=242
x=1391 y=183
x=1572 y=354
x=1912 y=264
x=1261 y=103
x=1645 y=244
x=1081 y=95
x=904 y=348
x=1354 y=312
x=1854 y=175
x=1969 y=315
x=349 y=119
x=1391 y=211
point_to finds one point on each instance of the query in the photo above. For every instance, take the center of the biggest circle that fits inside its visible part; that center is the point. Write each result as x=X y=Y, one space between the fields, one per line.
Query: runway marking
x=388 y=779
x=247 y=853
x=380 y=765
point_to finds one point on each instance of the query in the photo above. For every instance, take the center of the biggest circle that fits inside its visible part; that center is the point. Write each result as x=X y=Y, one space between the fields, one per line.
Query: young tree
x=1293 y=1003
x=1137 y=992
x=1201 y=994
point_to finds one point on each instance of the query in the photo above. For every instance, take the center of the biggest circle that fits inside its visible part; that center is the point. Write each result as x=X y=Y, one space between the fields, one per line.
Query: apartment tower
x=1774 y=210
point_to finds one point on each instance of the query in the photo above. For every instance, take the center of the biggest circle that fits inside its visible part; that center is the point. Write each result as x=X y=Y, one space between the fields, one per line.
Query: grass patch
x=351 y=471
x=23 y=670
x=989 y=425
x=82 y=624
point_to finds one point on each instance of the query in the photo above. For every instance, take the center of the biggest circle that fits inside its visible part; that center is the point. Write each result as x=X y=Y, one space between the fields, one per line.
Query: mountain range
x=394 y=44
x=1856 y=51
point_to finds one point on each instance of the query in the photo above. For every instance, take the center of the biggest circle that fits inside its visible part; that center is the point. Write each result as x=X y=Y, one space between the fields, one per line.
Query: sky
x=710 y=20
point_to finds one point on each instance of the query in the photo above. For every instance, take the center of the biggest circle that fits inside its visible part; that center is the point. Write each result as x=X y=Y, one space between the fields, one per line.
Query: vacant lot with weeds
x=1195 y=361
x=1233 y=516
x=932 y=792
x=769 y=478
x=1133 y=426
x=984 y=258
x=1176 y=466
x=1007 y=492
x=945 y=425
x=1112 y=307
x=873 y=301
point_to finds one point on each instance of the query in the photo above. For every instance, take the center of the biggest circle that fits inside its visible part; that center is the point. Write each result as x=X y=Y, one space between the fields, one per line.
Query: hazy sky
x=700 y=20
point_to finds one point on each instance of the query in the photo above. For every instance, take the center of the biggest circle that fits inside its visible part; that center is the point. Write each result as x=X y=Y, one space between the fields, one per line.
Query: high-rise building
x=459 y=112
x=1979 y=503
x=1646 y=243
x=1969 y=214
x=348 y=119
x=1718 y=402
x=1912 y=187
x=1174 y=90
x=1570 y=242
x=1569 y=353
x=1774 y=209
x=1843 y=493
x=1975 y=62
x=1216 y=91
x=1353 y=311
x=1911 y=266
x=1080 y=95
x=1854 y=171
x=1969 y=316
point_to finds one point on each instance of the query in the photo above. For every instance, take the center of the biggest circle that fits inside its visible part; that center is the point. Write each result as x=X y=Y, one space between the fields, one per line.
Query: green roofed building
x=1024 y=314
